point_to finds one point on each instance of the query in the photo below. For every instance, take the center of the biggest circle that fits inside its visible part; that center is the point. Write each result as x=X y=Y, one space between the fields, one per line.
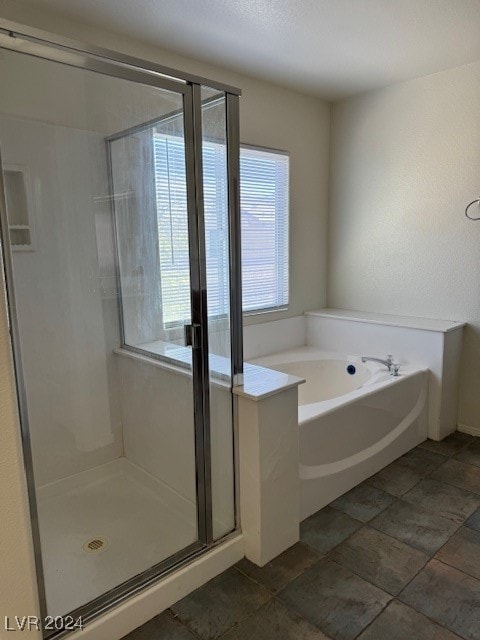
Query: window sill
x=178 y=360
x=258 y=312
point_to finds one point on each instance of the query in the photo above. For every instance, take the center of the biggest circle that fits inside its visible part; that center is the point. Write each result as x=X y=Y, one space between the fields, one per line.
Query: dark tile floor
x=396 y=558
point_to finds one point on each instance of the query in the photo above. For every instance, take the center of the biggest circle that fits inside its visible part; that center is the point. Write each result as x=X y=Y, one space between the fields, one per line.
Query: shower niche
x=119 y=213
x=19 y=208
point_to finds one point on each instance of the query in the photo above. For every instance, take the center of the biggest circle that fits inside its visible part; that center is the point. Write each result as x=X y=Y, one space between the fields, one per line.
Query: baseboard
x=472 y=431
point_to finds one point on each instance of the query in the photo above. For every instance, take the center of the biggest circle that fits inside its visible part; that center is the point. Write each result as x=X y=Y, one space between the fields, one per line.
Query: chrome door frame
x=37 y=43
x=43 y=44
x=12 y=320
x=198 y=288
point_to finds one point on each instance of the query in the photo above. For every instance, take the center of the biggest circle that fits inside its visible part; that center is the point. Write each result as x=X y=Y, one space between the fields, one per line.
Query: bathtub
x=353 y=424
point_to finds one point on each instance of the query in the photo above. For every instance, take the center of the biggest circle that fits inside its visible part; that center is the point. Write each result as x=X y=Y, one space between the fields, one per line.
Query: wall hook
x=476 y=201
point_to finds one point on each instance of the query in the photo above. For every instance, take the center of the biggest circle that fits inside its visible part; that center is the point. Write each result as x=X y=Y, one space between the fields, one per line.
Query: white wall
x=159 y=437
x=405 y=161
x=65 y=350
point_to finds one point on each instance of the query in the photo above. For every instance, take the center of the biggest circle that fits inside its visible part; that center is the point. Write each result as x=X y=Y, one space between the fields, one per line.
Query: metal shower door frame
x=37 y=43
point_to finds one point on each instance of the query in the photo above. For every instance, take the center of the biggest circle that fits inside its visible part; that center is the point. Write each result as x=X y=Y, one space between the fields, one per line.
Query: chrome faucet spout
x=389 y=363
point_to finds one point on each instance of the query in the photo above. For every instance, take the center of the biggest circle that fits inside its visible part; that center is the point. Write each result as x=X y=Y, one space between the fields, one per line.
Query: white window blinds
x=264 y=199
x=264 y=183
x=171 y=197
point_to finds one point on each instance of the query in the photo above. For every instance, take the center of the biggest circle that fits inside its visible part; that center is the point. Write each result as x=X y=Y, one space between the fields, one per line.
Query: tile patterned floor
x=396 y=558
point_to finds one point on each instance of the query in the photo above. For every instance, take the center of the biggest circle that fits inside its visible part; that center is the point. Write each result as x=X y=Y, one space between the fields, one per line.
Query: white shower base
x=143 y=521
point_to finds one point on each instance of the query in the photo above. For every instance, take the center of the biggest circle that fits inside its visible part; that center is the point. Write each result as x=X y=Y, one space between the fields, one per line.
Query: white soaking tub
x=351 y=425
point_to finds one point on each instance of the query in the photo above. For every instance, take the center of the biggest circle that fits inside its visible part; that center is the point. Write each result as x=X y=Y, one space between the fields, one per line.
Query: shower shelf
x=19 y=207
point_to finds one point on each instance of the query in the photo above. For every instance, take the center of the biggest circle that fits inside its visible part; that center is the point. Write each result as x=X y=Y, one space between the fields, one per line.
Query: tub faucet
x=391 y=366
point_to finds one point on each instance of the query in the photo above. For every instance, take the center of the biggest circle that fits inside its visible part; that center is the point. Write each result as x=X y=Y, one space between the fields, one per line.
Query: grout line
x=325 y=555
x=422 y=477
x=256 y=582
x=346 y=569
x=469 y=526
x=288 y=606
x=377 y=514
x=450 y=484
x=447 y=541
x=373 y=585
x=375 y=618
x=412 y=606
x=448 y=455
x=249 y=615
x=269 y=599
x=366 y=524
x=176 y=617
x=452 y=566
x=422 y=613
x=274 y=593
x=429 y=557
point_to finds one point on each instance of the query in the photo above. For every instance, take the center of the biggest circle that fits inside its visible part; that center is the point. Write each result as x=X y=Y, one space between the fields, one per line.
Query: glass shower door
x=101 y=249
x=157 y=257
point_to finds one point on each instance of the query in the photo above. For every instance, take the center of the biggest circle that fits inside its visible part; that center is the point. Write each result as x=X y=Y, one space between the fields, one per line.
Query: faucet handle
x=390 y=358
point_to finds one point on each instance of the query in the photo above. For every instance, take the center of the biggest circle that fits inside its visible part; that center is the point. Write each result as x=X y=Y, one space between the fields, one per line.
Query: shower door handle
x=192 y=335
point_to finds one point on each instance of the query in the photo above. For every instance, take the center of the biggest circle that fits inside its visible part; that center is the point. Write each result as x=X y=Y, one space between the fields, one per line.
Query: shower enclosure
x=120 y=241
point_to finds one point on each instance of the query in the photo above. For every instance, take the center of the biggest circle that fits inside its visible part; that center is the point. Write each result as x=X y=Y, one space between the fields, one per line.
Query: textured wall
x=405 y=162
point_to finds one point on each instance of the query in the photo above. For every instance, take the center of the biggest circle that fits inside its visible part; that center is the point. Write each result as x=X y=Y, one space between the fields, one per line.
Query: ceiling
x=331 y=48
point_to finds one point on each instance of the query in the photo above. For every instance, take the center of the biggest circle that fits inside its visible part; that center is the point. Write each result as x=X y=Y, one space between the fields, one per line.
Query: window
x=171 y=198
x=264 y=207
x=264 y=176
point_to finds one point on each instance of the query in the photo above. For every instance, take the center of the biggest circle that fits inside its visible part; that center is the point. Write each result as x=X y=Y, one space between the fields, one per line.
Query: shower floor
x=140 y=519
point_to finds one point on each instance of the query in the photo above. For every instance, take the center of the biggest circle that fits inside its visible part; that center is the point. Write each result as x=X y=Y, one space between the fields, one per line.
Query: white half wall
x=270 y=337
x=159 y=434
x=405 y=162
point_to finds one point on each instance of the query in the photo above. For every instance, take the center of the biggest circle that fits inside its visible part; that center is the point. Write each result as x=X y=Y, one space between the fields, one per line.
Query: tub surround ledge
x=424 y=343
x=260 y=383
x=408 y=322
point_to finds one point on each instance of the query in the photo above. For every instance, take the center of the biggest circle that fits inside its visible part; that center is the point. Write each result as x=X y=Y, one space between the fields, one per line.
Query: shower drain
x=95 y=544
